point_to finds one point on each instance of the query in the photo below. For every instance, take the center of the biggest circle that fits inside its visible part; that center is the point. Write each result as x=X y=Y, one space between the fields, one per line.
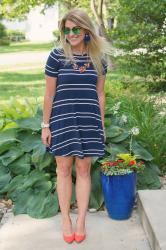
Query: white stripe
x=75 y=103
x=76 y=60
x=75 y=127
x=97 y=153
x=75 y=143
x=72 y=152
x=54 y=58
x=66 y=145
x=49 y=67
x=57 y=54
x=75 y=130
x=76 y=70
x=76 y=89
x=65 y=141
x=51 y=71
x=80 y=74
x=78 y=99
x=75 y=117
x=63 y=55
x=75 y=113
x=77 y=139
x=93 y=149
x=76 y=84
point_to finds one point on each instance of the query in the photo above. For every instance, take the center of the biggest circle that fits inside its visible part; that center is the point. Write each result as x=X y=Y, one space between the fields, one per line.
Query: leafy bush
x=149 y=114
x=56 y=34
x=3 y=36
x=16 y=35
x=140 y=34
x=118 y=142
x=2 y=31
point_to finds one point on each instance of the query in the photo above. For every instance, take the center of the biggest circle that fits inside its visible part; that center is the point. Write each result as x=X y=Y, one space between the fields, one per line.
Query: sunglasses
x=75 y=30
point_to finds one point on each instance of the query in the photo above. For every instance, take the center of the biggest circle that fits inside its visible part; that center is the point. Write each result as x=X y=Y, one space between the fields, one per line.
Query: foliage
x=140 y=34
x=56 y=34
x=3 y=36
x=144 y=111
x=119 y=141
x=16 y=35
x=2 y=31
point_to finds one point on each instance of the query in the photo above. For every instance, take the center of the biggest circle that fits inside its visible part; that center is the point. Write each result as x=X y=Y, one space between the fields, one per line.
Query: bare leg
x=83 y=188
x=64 y=190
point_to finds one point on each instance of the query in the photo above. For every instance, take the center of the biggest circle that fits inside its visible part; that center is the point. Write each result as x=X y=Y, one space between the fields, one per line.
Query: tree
x=12 y=9
x=140 y=33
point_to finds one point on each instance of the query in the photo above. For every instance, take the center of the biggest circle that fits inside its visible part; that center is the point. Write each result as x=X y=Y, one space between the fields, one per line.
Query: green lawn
x=28 y=83
x=26 y=46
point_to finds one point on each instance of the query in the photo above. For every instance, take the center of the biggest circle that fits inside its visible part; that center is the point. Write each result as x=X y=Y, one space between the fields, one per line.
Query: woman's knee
x=64 y=166
x=83 y=168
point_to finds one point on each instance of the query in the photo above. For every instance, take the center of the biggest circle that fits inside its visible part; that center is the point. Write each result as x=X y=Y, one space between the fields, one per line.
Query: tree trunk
x=98 y=13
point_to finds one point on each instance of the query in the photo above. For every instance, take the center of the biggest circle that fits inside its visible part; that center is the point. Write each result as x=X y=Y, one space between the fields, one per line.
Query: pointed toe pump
x=79 y=238
x=68 y=239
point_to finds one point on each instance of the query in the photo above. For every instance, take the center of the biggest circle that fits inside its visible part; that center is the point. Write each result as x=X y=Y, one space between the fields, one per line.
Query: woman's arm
x=101 y=95
x=50 y=91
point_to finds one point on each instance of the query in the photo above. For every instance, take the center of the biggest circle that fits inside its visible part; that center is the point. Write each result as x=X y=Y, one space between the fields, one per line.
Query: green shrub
x=2 y=31
x=140 y=35
x=16 y=35
x=4 y=41
x=3 y=36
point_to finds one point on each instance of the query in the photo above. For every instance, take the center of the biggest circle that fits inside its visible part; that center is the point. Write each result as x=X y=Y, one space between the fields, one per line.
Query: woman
x=73 y=113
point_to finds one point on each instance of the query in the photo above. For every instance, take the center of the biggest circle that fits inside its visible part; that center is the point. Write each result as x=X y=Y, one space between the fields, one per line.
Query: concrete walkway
x=23 y=57
x=22 y=232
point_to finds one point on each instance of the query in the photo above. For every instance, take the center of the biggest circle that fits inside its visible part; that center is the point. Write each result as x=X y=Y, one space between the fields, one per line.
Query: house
x=38 y=27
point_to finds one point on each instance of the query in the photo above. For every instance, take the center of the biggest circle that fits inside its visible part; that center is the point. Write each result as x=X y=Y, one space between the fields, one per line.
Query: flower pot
x=119 y=194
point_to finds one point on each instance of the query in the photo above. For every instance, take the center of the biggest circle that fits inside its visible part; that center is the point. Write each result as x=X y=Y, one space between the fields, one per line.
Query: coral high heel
x=79 y=238
x=68 y=239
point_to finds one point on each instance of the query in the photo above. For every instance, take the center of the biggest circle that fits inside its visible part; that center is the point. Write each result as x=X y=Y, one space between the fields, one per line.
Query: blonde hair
x=97 y=47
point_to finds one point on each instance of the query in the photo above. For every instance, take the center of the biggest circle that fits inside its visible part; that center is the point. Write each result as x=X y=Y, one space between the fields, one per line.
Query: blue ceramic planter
x=119 y=194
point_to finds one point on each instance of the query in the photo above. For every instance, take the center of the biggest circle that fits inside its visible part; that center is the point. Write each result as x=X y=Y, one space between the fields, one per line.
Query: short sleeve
x=52 y=64
x=104 y=64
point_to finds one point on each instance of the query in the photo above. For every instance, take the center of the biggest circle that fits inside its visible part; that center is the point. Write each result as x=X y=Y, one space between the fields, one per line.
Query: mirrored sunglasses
x=75 y=30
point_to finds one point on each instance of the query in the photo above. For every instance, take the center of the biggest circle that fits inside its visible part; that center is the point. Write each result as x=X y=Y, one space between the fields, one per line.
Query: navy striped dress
x=75 y=121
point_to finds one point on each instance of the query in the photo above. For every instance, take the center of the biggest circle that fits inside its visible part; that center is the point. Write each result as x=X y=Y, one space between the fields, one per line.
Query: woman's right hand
x=46 y=136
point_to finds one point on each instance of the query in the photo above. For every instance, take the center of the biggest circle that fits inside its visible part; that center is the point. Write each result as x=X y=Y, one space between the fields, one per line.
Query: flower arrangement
x=124 y=163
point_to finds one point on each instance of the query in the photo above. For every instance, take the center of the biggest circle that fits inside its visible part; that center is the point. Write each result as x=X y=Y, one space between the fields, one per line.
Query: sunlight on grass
x=22 y=83
x=26 y=46
x=22 y=66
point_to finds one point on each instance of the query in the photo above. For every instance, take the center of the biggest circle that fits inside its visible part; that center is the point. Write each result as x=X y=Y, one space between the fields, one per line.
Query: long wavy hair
x=97 y=47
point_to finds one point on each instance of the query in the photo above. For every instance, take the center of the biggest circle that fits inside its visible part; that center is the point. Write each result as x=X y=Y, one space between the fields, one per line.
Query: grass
x=22 y=83
x=26 y=46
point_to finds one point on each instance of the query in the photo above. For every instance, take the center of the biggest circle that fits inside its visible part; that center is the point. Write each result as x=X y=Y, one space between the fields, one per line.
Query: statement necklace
x=81 y=68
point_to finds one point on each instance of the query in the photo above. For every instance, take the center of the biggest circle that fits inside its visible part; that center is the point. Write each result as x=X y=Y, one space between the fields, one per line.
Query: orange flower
x=132 y=163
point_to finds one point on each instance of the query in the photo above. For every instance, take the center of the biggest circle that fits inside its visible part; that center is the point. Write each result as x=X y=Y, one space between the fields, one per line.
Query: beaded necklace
x=81 y=68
